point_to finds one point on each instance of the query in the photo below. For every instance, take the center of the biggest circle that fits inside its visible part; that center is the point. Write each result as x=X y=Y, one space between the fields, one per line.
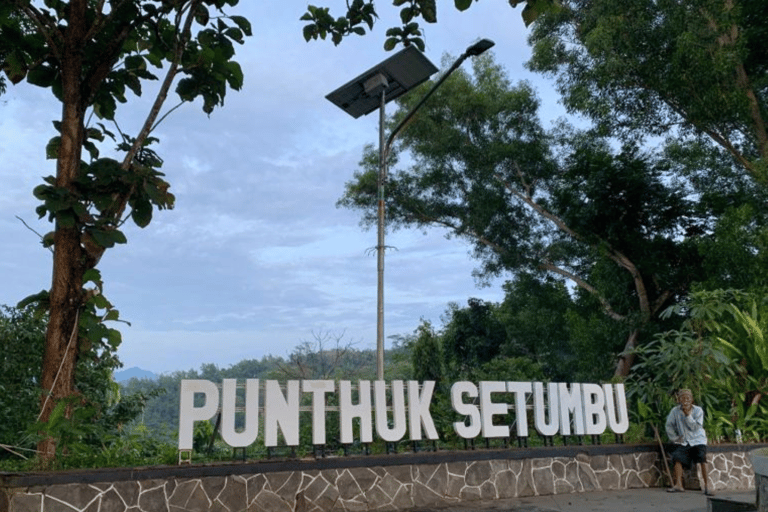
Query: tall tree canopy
x=90 y=53
x=657 y=67
x=620 y=224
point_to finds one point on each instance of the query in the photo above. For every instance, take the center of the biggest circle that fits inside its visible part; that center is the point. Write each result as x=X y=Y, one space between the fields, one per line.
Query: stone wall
x=376 y=483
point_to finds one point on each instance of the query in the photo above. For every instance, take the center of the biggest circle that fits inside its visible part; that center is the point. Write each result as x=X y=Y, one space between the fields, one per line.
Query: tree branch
x=44 y=26
x=581 y=283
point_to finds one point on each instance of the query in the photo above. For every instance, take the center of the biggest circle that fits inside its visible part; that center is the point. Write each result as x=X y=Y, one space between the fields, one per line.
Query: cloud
x=255 y=256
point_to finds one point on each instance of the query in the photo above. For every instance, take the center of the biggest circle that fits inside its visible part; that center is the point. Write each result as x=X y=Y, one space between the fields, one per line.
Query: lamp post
x=373 y=89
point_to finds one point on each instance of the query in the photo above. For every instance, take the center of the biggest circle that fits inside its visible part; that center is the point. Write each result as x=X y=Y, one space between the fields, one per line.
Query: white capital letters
x=488 y=409
x=318 y=388
x=398 y=429
x=467 y=431
x=349 y=411
x=228 y=403
x=418 y=409
x=570 y=401
x=618 y=420
x=282 y=411
x=189 y=414
x=594 y=409
x=521 y=414
x=542 y=427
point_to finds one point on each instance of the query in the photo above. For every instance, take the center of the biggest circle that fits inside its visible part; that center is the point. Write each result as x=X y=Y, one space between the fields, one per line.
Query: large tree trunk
x=627 y=357
x=61 y=341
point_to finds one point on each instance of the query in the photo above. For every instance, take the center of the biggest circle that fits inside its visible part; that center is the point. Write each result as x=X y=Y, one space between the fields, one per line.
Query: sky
x=256 y=258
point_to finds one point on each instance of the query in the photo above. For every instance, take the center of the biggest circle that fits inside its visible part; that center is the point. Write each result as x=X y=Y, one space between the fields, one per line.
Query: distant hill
x=134 y=373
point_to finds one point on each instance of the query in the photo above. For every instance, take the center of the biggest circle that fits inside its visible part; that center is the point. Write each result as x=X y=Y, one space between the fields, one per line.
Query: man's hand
x=686 y=403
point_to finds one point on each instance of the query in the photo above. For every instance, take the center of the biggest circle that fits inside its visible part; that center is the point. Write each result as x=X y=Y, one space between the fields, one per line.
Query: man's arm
x=695 y=420
x=671 y=426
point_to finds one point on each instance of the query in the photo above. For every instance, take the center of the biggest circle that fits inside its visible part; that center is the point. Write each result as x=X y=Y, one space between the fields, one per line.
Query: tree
x=101 y=409
x=472 y=337
x=88 y=52
x=327 y=356
x=21 y=345
x=535 y=315
x=564 y=204
x=698 y=67
x=361 y=13
x=427 y=355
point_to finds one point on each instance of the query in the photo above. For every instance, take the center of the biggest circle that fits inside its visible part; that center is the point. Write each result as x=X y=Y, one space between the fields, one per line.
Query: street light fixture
x=382 y=83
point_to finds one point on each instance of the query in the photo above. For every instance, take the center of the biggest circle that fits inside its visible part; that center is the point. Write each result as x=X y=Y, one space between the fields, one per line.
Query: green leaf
x=390 y=43
x=91 y=148
x=135 y=62
x=428 y=11
x=531 y=11
x=47 y=240
x=66 y=218
x=52 y=148
x=37 y=299
x=112 y=315
x=141 y=213
x=201 y=15
x=107 y=238
x=406 y=14
x=41 y=76
x=15 y=67
x=114 y=338
x=310 y=31
x=100 y=301
x=235 y=77
x=235 y=34
x=244 y=24
x=93 y=275
x=462 y=5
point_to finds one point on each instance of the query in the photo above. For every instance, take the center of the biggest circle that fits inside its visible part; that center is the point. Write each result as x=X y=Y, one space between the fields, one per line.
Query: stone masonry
x=358 y=483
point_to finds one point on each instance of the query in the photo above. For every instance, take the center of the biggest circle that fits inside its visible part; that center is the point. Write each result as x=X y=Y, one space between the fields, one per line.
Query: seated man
x=685 y=428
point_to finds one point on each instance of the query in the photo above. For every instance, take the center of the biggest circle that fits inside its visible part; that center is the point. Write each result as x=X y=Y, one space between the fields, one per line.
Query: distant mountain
x=134 y=373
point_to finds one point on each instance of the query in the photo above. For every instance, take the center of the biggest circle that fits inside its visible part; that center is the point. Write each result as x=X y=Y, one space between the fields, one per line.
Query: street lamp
x=382 y=83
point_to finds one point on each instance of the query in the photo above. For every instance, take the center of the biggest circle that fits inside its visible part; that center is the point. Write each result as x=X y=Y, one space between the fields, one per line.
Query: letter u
x=229 y=397
x=618 y=421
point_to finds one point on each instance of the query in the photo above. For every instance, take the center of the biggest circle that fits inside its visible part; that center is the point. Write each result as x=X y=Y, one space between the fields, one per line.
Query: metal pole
x=385 y=145
x=380 y=247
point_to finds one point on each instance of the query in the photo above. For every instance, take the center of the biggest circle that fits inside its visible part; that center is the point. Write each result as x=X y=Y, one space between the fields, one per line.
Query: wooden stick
x=663 y=455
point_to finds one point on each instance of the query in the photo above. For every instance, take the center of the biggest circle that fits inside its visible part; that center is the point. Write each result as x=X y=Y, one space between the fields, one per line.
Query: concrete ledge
x=279 y=465
x=362 y=483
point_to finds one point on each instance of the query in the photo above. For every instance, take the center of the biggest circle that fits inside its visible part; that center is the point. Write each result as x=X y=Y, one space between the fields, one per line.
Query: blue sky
x=256 y=258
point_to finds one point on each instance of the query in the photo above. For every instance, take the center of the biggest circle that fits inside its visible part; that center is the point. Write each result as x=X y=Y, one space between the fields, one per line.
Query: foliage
x=535 y=315
x=674 y=360
x=89 y=433
x=21 y=344
x=327 y=356
x=472 y=337
x=651 y=68
x=88 y=54
x=719 y=353
x=563 y=205
x=361 y=14
x=427 y=356
x=736 y=322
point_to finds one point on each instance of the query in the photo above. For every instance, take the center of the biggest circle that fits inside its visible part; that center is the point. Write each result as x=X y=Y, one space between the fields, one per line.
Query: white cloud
x=255 y=256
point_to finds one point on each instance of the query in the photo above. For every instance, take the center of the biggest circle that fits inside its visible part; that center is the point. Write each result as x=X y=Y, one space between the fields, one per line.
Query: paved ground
x=635 y=500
